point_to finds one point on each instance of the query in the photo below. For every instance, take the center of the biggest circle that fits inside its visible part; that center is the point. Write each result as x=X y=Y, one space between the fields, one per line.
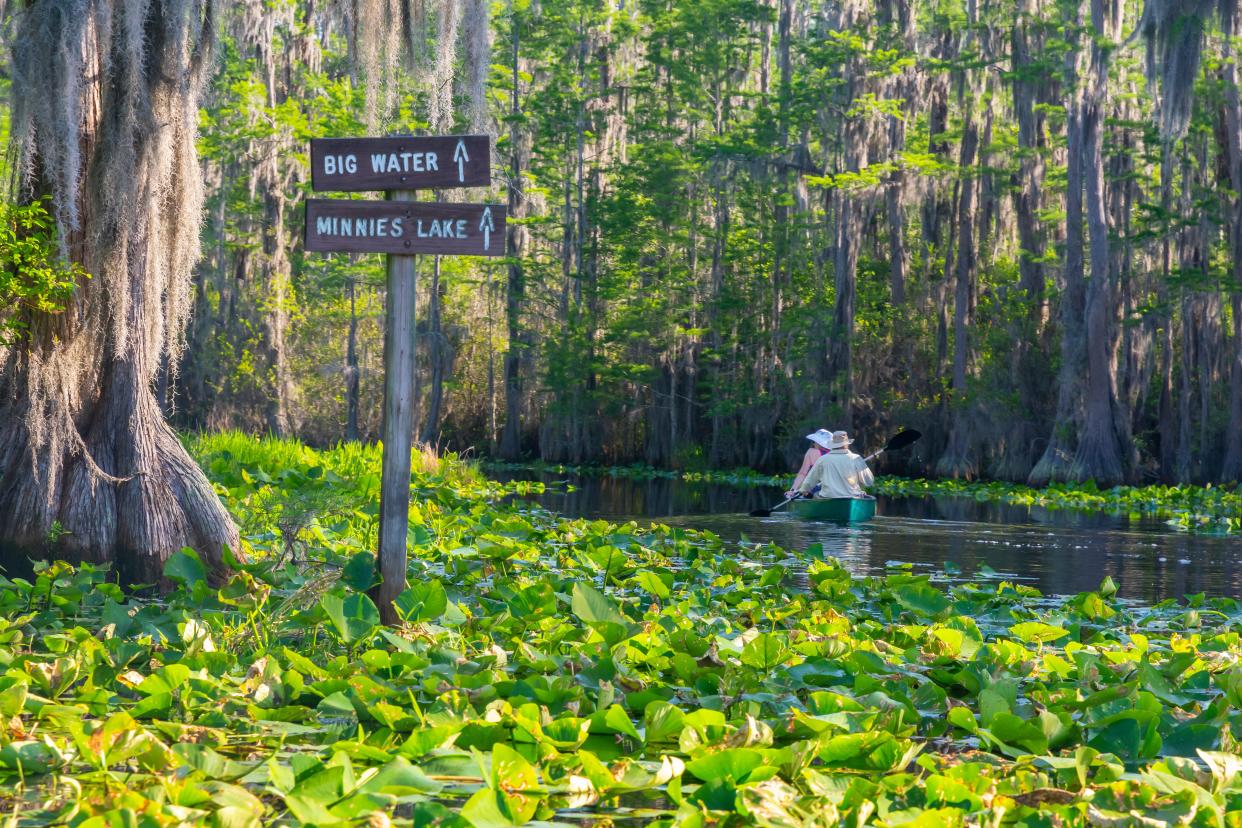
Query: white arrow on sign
x=461 y=157
x=485 y=224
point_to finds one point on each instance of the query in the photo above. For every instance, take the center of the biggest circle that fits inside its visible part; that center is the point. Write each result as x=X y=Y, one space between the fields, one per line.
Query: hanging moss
x=105 y=115
x=1173 y=30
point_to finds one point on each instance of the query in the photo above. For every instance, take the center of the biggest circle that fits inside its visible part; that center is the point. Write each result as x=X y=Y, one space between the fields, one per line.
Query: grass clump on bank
x=548 y=668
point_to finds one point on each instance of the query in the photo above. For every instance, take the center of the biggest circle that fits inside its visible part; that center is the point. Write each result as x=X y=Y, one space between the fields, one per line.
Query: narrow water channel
x=1056 y=551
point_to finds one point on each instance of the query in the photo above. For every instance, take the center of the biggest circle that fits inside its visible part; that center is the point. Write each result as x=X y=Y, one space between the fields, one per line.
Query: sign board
x=400 y=163
x=400 y=227
x=404 y=227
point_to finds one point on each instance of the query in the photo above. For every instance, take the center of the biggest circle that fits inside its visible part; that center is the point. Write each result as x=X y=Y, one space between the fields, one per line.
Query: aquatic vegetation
x=549 y=669
x=733 y=477
x=1191 y=508
x=1195 y=508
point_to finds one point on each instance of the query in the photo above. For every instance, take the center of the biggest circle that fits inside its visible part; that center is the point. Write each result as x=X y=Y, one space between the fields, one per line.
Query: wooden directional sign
x=400 y=163
x=404 y=227
x=400 y=227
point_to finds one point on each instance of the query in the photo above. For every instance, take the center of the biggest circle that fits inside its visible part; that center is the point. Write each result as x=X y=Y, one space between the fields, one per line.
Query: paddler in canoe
x=820 y=441
x=835 y=476
x=838 y=473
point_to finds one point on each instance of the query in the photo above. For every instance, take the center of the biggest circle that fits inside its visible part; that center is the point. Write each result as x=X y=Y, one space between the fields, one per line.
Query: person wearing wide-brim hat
x=821 y=440
x=838 y=473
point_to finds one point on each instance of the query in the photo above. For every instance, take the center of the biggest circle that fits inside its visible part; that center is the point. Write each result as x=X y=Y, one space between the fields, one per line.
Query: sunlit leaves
x=34 y=277
x=1034 y=632
x=424 y=601
x=584 y=665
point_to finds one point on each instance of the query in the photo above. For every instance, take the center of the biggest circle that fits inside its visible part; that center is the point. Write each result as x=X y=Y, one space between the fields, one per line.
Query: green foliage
x=34 y=276
x=1187 y=507
x=1192 y=508
x=550 y=667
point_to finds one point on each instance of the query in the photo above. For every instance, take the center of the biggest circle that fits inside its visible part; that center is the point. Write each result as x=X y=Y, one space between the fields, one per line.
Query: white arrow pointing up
x=485 y=224
x=461 y=157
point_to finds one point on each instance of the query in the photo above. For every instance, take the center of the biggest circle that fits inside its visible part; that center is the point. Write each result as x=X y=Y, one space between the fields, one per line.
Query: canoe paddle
x=896 y=442
x=768 y=512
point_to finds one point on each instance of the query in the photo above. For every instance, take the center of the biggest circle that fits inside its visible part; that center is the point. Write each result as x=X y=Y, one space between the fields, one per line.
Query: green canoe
x=840 y=509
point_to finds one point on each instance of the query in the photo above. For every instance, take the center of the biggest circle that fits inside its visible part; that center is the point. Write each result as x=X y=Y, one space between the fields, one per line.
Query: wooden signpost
x=335 y=225
x=401 y=228
x=344 y=165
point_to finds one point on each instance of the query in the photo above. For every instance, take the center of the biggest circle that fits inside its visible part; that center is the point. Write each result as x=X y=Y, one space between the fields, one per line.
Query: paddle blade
x=761 y=513
x=905 y=438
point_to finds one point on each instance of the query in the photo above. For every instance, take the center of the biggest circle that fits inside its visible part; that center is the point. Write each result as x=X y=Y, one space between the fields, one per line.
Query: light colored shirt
x=839 y=473
x=808 y=462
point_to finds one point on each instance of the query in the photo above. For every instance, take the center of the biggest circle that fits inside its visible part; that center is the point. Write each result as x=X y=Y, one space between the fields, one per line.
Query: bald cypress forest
x=1013 y=225
x=395 y=398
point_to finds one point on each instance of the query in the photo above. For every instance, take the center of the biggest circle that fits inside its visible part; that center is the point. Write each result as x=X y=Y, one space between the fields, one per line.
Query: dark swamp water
x=1056 y=551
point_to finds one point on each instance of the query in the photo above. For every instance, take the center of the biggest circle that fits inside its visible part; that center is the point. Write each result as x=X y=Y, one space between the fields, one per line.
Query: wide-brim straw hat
x=840 y=439
x=821 y=438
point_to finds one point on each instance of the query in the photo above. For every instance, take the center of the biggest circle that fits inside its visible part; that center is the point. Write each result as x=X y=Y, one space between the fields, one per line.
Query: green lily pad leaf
x=663 y=721
x=593 y=607
x=337 y=705
x=354 y=617
x=422 y=601
x=359 y=572
x=732 y=765
x=13 y=700
x=617 y=720
x=427 y=739
x=326 y=784
x=991 y=703
x=568 y=733
x=765 y=652
x=601 y=614
x=489 y=808
x=654 y=583
x=28 y=758
x=232 y=816
x=185 y=567
x=963 y=718
x=211 y=764
x=428 y=814
x=154 y=705
x=309 y=810
x=922 y=599
x=511 y=771
x=400 y=778
x=1160 y=687
x=1013 y=730
x=1034 y=632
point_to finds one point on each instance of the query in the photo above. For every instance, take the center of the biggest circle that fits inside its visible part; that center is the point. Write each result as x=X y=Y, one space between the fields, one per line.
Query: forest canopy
x=1014 y=225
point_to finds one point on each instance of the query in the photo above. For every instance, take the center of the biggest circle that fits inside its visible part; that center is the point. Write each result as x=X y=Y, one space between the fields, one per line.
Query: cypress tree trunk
x=898 y=14
x=106 y=107
x=1100 y=455
x=956 y=461
x=1231 y=468
x=845 y=268
x=511 y=438
x=438 y=357
x=276 y=279
x=1028 y=200
x=352 y=375
x=1027 y=195
x=1057 y=462
x=1028 y=372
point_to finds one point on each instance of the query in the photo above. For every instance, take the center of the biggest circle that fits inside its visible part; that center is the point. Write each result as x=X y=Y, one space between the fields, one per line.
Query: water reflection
x=1057 y=552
